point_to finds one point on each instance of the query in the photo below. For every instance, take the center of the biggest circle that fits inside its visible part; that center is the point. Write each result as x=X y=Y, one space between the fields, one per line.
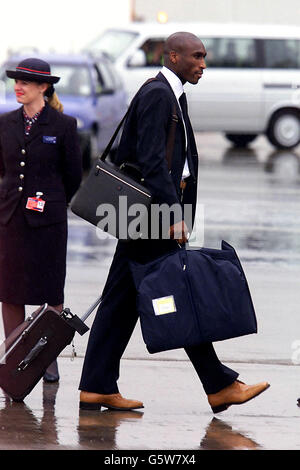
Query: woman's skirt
x=32 y=262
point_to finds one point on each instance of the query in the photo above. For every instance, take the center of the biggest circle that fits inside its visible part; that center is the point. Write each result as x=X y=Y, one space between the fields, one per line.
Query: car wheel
x=241 y=140
x=284 y=129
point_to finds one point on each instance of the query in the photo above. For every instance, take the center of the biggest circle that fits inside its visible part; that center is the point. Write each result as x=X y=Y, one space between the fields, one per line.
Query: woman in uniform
x=40 y=171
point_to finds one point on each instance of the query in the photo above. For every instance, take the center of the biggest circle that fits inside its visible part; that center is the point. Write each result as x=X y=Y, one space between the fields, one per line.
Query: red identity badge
x=36 y=203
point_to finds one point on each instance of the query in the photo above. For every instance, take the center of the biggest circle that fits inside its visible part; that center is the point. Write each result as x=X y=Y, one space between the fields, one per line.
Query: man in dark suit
x=144 y=141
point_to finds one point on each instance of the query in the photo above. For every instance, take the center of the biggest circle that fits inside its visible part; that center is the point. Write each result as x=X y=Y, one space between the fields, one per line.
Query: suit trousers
x=117 y=316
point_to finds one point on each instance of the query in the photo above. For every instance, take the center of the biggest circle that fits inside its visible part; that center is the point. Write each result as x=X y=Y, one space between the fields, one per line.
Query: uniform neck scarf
x=29 y=121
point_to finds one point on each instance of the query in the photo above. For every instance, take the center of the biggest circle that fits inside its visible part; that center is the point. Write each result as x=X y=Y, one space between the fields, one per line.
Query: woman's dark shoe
x=51 y=375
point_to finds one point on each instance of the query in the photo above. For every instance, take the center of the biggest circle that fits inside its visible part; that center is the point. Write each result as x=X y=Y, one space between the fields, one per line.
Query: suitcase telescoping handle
x=78 y=323
x=91 y=309
x=73 y=320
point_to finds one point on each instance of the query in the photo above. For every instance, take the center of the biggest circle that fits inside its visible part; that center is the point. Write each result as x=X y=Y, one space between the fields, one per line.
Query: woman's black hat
x=34 y=70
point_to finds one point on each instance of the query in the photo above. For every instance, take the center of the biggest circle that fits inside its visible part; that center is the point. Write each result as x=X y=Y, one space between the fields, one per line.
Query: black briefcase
x=107 y=194
x=105 y=197
x=29 y=350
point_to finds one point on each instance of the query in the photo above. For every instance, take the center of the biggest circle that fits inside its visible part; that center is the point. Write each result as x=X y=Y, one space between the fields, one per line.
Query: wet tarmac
x=251 y=199
x=176 y=413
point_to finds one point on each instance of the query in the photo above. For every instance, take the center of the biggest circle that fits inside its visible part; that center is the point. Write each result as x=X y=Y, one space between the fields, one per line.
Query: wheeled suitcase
x=32 y=346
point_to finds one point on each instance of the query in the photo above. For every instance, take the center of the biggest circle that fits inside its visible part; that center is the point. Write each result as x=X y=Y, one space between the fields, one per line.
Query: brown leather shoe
x=114 y=401
x=235 y=394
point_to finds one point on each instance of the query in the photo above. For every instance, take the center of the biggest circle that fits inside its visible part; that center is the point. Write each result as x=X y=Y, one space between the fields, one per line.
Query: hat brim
x=31 y=77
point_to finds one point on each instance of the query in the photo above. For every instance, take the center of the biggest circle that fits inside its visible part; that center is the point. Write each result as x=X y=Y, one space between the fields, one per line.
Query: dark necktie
x=184 y=109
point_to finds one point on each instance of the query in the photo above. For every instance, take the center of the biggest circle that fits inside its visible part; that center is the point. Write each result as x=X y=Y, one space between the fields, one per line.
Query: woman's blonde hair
x=53 y=99
x=54 y=102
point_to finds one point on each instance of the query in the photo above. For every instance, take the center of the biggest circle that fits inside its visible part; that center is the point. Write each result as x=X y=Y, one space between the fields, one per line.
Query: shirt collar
x=174 y=81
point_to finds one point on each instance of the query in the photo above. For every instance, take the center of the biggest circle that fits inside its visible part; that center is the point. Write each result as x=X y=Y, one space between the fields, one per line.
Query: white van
x=251 y=85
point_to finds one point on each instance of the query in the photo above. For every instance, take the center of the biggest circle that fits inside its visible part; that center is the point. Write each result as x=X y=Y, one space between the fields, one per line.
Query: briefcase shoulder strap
x=171 y=135
x=114 y=136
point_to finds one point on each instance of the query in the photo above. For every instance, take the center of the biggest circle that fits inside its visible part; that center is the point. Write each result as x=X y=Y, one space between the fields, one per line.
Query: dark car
x=89 y=89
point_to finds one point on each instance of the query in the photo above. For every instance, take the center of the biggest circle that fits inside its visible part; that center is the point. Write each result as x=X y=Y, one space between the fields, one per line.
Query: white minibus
x=251 y=85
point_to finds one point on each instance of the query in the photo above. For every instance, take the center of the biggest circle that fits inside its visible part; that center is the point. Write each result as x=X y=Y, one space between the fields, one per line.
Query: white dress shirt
x=177 y=87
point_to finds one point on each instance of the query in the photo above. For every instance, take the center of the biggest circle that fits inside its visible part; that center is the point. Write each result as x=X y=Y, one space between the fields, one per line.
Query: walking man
x=144 y=142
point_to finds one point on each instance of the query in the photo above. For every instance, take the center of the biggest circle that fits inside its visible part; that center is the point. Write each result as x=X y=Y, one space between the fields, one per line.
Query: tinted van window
x=153 y=49
x=281 y=53
x=221 y=52
x=230 y=52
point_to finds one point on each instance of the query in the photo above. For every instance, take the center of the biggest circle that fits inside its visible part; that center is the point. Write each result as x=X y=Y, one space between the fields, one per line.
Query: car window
x=74 y=79
x=107 y=79
x=281 y=53
x=97 y=79
x=153 y=49
x=230 y=52
x=7 y=84
x=221 y=52
x=114 y=75
x=2 y=92
x=113 y=42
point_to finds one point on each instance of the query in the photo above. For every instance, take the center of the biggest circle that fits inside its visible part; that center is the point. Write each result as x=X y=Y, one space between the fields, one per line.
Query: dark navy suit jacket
x=48 y=161
x=144 y=141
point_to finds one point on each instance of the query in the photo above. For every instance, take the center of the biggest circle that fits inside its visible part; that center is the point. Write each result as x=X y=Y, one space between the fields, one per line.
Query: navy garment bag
x=189 y=297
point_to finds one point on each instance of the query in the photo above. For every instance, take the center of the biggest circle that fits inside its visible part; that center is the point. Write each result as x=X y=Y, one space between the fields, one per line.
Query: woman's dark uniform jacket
x=47 y=161
x=52 y=166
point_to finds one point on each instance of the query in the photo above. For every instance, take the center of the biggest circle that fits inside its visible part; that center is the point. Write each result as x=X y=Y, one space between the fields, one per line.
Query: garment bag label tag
x=164 y=305
x=35 y=204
